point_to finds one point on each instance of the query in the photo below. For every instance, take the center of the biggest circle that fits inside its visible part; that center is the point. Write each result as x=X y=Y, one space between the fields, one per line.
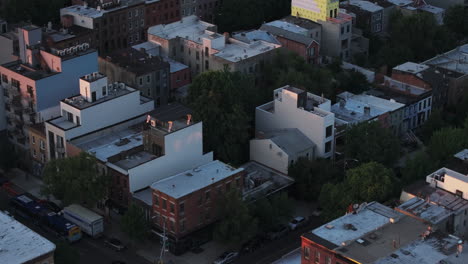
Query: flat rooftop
x=149 y=47
x=462 y=155
x=366 y=5
x=95 y=13
x=145 y=196
x=28 y=71
x=160 y=118
x=189 y=181
x=411 y=67
x=236 y=50
x=455 y=60
x=444 y=172
x=134 y=160
x=425 y=210
x=19 y=244
x=437 y=196
x=401 y=2
x=353 y=226
x=137 y=61
x=112 y=143
x=261 y=181
x=432 y=9
x=290 y=140
x=254 y=35
x=289 y=26
x=190 y=28
x=302 y=22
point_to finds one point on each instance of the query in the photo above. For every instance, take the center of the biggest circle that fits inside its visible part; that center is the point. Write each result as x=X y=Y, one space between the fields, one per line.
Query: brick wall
x=409 y=79
x=180 y=78
x=312 y=253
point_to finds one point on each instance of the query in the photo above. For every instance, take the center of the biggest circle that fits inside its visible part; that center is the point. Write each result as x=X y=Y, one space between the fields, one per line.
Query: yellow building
x=315 y=10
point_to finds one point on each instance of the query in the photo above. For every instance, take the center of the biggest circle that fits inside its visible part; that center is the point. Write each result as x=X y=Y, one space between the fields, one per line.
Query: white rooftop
x=190 y=181
x=462 y=155
x=432 y=9
x=19 y=244
x=83 y=11
x=288 y=26
x=190 y=28
x=411 y=67
x=430 y=251
x=401 y=2
x=151 y=48
x=237 y=50
x=428 y=211
x=371 y=217
x=365 y=5
x=455 y=60
x=448 y=173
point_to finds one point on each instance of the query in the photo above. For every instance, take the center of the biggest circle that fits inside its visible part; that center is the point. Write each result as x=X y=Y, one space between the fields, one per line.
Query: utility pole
x=163 y=249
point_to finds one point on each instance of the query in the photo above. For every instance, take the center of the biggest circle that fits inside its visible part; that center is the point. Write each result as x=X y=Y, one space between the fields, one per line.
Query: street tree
x=456 y=20
x=311 y=175
x=237 y=223
x=65 y=254
x=272 y=210
x=433 y=123
x=8 y=156
x=75 y=180
x=369 y=141
x=418 y=166
x=134 y=224
x=446 y=142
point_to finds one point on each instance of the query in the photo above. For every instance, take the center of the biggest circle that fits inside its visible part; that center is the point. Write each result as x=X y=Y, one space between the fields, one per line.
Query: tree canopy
x=369 y=141
x=456 y=20
x=8 y=157
x=311 y=175
x=134 y=224
x=75 y=180
x=369 y=182
x=446 y=142
x=271 y=211
x=235 y=15
x=237 y=223
x=38 y=12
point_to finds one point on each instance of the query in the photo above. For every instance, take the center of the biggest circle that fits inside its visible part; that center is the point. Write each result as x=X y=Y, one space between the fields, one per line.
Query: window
x=42 y=144
x=306 y=252
x=228 y=186
x=328 y=146
x=148 y=78
x=182 y=208
x=70 y=117
x=141 y=81
x=104 y=90
x=78 y=122
x=207 y=65
x=197 y=55
x=206 y=51
x=329 y=131
x=344 y=44
x=429 y=101
x=15 y=83
x=200 y=199
x=327 y=260
x=347 y=28
x=317 y=257
x=34 y=152
x=336 y=12
x=172 y=225
x=424 y=104
x=238 y=182
x=33 y=140
x=164 y=204
x=182 y=226
x=42 y=157
x=156 y=201
x=207 y=195
x=171 y=206
x=331 y=13
x=4 y=78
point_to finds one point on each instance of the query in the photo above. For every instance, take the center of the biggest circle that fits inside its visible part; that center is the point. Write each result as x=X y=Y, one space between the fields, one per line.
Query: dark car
x=253 y=244
x=226 y=257
x=278 y=232
x=115 y=244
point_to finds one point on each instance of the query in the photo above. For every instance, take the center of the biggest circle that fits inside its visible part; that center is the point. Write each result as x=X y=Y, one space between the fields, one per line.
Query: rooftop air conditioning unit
x=121 y=85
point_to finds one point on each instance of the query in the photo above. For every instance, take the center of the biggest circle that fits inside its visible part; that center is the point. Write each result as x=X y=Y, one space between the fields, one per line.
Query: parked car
x=252 y=244
x=296 y=222
x=278 y=232
x=115 y=244
x=226 y=257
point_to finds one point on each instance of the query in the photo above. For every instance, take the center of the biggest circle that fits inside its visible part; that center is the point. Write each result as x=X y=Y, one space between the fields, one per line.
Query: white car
x=226 y=257
x=296 y=222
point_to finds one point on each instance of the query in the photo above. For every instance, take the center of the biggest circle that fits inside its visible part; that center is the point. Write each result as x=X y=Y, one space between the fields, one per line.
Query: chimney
x=367 y=110
x=170 y=126
x=226 y=36
x=189 y=118
x=49 y=25
x=342 y=103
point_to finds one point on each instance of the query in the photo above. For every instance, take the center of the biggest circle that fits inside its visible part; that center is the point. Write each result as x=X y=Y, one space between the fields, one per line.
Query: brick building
x=205 y=9
x=38 y=147
x=190 y=200
x=369 y=16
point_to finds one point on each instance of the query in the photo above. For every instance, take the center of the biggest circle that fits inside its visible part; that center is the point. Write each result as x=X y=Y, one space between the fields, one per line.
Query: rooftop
x=133 y=160
x=288 y=26
x=431 y=9
x=444 y=173
x=260 y=181
x=28 y=71
x=136 y=61
x=343 y=230
x=145 y=195
x=411 y=67
x=170 y=117
x=437 y=196
x=365 y=5
x=426 y=210
x=187 y=182
x=237 y=50
x=455 y=60
x=289 y=32
x=98 y=12
x=19 y=244
x=112 y=143
x=401 y=2
x=190 y=28
x=302 y=22
x=151 y=48
x=462 y=155
x=254 y=35
x=290 y=140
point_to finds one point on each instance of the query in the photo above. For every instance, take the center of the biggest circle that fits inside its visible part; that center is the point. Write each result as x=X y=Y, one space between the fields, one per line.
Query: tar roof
x=365 y=5
x=136 y=61
x=193 y=180
x=352 y=226
x=170 y=112
x=19 y=244
x=286 y=33
x=290 y=140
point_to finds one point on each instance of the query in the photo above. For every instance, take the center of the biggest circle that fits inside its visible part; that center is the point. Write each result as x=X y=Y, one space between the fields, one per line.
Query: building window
x=156 y=201
x=164 y=204
x=70 y=117
x=172 y=225
x=207 y=195
x=141 y=81
x=317 y=257
x=182 y=208
x=328 y=146
x=197 y=55
x=78 y=122
x=238 y=182
x=206 y=51
x=4 y=78
x=200 y=199
x=328 y=260
x=182 y=225
x=171 y=206
x=148 y=79
x=329 y=131
x=207 y=65
x=34 y=152
x=42 y=144
x=33 y=140
x=306 y=252
x=336 y=13
x=331 y=13
x=347 y=28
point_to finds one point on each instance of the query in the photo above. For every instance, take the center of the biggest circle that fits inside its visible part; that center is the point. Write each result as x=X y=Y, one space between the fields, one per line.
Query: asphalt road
x=92 y=251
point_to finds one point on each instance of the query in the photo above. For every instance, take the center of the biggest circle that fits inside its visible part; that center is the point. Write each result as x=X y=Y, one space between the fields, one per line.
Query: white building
x=19 y=244
x=280 y=148
x=296 y=108
x=450 y=181
x=454 y=60
x=99 y=105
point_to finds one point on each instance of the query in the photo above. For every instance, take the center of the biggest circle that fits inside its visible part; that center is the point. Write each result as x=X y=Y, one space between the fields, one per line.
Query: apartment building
x=115 y=24
x=22 y=245
x=205 y=9
x=98 y=106
x=35 y=84
x=369 y=15
x=195 y=43
x=315 y=10
x=149 y=74
x=37 y=147
x=375 y=234
x=300 y=36
x=295 y=108
x=191 y=200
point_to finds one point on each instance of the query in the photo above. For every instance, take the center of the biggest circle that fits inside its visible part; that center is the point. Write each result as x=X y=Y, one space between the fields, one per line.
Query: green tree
x=446 y=142
x=75 y=180
x=310 y=175
x=433 y=123
x=352 y=81
x=65 y=254
x=8 y=157
x=38 y=12
x=237 y=223
x=417 y=166
x=456 y=20
x=134 y=224
x=271 y=211
x=369 y=141
x=223 y=100
x=369 y=182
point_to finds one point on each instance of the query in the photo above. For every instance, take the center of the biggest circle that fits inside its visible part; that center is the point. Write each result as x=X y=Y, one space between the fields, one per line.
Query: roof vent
x=188 y=174
x=329 y=226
